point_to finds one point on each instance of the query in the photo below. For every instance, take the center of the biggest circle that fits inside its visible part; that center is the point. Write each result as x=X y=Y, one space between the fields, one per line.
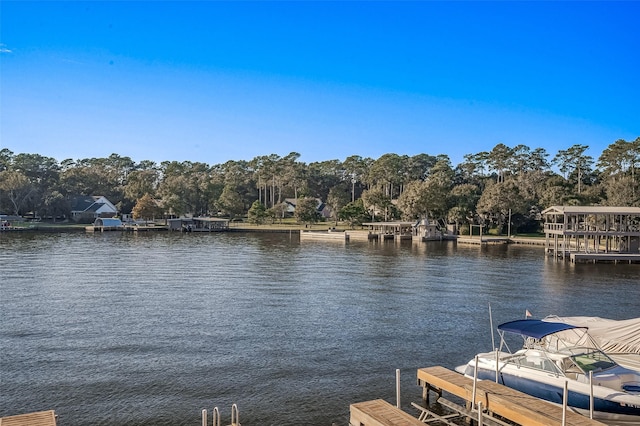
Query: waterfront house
x=322 y=208
x=86 y=209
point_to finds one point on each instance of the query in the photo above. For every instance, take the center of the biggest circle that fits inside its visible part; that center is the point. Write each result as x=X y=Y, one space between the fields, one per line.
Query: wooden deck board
x=445 y=379
x=507 y=402
x=380 y=413
x=40 y=418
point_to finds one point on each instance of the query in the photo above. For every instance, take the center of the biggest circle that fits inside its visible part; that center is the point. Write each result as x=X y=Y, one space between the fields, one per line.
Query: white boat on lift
x=556 y=353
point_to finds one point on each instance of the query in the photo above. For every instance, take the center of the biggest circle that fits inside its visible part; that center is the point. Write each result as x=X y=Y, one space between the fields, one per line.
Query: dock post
x=475 y=382
x=479 y=413
x=204 y=417
x=591 y=394
x=564 y=402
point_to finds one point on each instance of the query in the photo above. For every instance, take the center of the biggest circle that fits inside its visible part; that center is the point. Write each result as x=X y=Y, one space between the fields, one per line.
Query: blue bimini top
x=534 y=328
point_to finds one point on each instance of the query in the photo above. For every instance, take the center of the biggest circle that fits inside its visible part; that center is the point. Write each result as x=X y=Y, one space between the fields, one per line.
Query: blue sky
x=215 y=81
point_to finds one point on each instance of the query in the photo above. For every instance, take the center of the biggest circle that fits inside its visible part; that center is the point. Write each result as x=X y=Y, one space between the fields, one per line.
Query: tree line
x=484 y=189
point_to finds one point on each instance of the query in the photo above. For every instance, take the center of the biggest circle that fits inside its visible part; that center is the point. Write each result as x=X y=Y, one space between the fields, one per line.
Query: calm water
x=124 y=329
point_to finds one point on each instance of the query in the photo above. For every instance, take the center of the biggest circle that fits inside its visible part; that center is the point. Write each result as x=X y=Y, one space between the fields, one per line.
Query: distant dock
x=325 y=235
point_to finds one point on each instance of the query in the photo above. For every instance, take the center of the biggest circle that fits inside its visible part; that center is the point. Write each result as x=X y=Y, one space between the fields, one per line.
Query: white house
x=88 y=208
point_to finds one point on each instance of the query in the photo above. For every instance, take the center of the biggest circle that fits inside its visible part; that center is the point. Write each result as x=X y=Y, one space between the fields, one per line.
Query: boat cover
x=535 y=328
x=613 y=336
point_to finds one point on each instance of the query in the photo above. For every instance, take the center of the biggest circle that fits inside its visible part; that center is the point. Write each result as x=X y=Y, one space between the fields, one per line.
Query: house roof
x=82 y=203
x=90 y=204
x=591 y=210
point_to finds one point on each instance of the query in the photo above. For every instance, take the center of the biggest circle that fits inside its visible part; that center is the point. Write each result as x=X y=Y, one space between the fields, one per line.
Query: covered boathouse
x=593 y=233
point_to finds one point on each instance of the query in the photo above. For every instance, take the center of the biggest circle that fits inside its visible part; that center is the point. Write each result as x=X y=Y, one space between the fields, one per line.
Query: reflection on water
x=118 y=329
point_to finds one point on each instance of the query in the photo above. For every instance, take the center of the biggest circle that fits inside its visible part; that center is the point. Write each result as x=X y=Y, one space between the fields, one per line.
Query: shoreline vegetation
x=504 y=188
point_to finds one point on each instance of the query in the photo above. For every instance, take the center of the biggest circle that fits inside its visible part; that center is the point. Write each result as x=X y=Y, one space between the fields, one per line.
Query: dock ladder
x=215 y=416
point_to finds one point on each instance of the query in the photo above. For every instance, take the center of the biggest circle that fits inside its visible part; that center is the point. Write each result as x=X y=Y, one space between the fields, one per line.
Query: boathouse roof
x=108 y=222
x=591 y=210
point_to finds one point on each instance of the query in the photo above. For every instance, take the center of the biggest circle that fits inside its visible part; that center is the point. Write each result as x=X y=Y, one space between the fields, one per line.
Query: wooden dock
x=380 y=413
x=604 y=257
x=483 y=241
x=324 y=235
x=508 y=403
x=40 y=418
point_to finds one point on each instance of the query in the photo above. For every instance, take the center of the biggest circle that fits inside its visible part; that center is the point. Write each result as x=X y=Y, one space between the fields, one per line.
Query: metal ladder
x=215 y=419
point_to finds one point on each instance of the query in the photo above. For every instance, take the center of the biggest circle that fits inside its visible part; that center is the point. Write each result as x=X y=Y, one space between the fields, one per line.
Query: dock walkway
x=40 y=418
x=604 y=257
x=380 y=413
x=508 y=403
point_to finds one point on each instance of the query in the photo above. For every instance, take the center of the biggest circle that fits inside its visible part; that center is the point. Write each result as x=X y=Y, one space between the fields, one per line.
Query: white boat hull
x=610 y=406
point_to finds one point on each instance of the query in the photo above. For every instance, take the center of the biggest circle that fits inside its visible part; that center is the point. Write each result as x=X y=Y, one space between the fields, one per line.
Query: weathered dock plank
x=511 y=404
x=40 y=418
x=380 y=413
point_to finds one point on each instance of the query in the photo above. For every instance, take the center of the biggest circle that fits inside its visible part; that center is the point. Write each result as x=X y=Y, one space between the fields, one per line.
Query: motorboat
x=554 y=354
x=619 y=339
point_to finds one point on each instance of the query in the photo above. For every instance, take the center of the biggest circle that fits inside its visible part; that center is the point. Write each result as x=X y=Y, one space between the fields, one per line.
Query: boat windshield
x=593 y=361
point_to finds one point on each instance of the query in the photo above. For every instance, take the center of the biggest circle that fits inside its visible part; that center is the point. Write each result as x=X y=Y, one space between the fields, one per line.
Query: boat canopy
x=535 y=328
x=613 y=336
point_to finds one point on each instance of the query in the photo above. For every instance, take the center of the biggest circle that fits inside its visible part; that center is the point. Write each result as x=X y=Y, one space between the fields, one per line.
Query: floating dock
x=505 y=402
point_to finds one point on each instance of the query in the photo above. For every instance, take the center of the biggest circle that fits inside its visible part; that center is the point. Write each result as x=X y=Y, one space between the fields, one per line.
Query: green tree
x=622 y=192
x=376 y=201
x=17 y=189
x=146 y=208
x=278 y=212
x=322 y=176
x=437 y=188
x=497 y=200
x=463 y=198
x=307 y=210
x=354 y=213
x=6 y=159
x=356 y=169
x=574 y=160
x=257 y=213
x=387 y=172
x=500 y=159
x=338 y=197
x=141 y=182
x=412 y=203
x=619 y=160
x=55 y=205
x=230 y=202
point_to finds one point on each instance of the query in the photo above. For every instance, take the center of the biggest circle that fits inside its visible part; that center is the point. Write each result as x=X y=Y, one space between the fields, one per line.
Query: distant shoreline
x=251 y=228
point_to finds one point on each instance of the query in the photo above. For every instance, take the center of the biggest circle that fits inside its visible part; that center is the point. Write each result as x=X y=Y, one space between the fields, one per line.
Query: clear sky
x=213 y=81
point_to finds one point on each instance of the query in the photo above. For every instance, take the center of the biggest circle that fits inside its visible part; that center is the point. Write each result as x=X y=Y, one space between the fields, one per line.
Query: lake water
x=150 y=328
